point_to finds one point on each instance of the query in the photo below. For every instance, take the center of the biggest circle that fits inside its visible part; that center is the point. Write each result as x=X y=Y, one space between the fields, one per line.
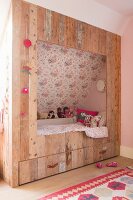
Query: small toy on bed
x=51 y=115
x=60 y=114
x=92 y=121
x=67 y=112
x=95 y=121
x=38 y=115
x=87 y=121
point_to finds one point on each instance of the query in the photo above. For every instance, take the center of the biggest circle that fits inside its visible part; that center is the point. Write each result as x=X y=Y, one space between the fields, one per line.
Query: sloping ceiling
x=107 y=14
x=4 y=10
x=124 y=7
x=93 y=12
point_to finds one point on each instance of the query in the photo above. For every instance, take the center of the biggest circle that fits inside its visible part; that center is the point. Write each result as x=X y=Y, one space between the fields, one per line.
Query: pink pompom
x=27 y=43
x=22 y=114
x=25 y=91
x=99 y=165
x=27 y=68
x=112 y=164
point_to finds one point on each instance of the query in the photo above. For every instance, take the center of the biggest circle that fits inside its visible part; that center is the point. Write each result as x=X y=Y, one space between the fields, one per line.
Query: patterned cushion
x=93 y=121
x=81 y=114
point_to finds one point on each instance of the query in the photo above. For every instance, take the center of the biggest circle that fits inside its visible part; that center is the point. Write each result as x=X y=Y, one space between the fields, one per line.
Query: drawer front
x=89 y=155
x=28 y=171
x=75 y=140
x=51 y=145
x=78 y=158
x=51 y=165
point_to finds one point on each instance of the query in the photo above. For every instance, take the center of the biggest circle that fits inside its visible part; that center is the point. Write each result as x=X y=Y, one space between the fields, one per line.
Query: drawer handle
x=102 y=152
x=52 y=166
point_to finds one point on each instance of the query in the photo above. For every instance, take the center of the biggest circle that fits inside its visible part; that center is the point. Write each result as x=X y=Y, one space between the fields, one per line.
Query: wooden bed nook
x=30 y=156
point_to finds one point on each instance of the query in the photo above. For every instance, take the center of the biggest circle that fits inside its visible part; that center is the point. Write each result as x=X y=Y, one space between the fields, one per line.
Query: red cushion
x=87 y=112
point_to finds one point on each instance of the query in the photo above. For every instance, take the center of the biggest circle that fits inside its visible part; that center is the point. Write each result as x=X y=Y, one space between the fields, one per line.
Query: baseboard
x=126 y=152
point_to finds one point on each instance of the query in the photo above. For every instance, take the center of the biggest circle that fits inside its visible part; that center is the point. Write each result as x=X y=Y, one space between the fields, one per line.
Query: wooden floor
x=33 y=191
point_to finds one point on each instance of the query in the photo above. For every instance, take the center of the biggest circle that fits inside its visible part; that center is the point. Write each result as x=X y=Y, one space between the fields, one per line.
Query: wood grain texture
x=28 y=171
x=74 y=140
x=51 y=144
x=33 y=83
x=33 y=22
x=16 y=65
x=24 y=82
x=70 y=32
x=41 y=21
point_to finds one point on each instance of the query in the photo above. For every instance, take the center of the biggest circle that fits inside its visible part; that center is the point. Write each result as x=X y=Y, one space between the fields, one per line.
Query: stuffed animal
x=51 y=115
x=87 y=121
x=95 y=121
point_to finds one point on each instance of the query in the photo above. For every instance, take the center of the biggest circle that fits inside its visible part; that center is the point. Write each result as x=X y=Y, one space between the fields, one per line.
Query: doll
x=67 y=113
x=60 y=114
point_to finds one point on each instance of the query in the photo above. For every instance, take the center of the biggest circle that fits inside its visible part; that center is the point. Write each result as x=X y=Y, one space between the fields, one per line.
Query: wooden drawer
x=104 y=151
x=78 y=158
x=28 y=171
x=51 y=165
x=89 y=142
x=51 y=144
x=89 y=155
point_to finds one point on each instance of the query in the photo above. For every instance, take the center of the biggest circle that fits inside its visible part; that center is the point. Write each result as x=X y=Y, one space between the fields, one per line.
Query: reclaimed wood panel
x=70 y=32
x=51 y=144
x=41 y=21
x=24 y=82
x=14 y=140
x=75 y=140
x=55 y=164
x=68 y=159
x=113 y=84
x=88 y=155
x=79 y=34
x=55 y=27
x=78 y=158
x=62 y=36
x=51 y=165
x=42 y=24
x=86 y=37
x=42 y=167
x=28 y=171
x=33 y=83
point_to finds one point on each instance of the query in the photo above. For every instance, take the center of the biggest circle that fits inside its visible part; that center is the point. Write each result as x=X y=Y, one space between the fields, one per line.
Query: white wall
x=4 y=10
x=87 y=11
x=127 y=92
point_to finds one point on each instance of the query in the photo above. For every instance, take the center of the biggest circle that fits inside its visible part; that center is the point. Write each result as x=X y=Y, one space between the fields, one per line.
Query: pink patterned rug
x=117 y=185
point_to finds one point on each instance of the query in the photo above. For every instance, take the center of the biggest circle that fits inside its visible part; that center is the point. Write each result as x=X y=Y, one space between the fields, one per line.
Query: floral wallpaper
x=65 y=75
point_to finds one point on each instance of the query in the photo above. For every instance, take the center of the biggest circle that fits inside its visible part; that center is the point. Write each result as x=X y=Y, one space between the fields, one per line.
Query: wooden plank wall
x=36 y=23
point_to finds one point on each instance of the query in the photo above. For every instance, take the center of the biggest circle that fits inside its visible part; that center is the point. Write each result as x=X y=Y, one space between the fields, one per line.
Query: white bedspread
x=98 y=132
